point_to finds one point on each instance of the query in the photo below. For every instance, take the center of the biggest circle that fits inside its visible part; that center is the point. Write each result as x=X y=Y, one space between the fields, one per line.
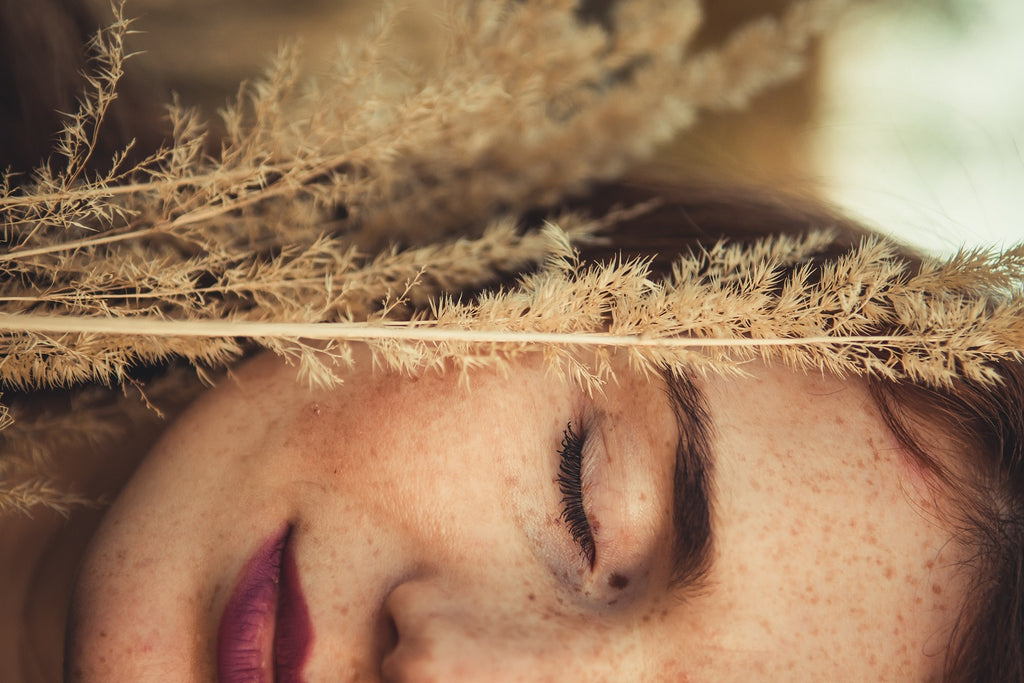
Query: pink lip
x=265 y=632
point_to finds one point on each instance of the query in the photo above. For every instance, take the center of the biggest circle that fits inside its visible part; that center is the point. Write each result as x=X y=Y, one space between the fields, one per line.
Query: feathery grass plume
x=5 y=417
x=251 y=233
x=721 y=305
x=355 y=207
x=25 y=496
x=48 y=428
x=46 y=424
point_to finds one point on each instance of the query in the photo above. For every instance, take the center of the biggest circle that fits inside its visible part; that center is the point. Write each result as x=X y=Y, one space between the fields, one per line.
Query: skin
x=430 y=547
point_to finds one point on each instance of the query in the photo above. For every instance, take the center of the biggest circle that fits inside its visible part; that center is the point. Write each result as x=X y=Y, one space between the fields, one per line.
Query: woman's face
x=429 y=529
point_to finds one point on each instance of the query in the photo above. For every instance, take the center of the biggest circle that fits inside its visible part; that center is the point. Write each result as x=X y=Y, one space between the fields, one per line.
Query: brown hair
x=985 y=476
x=42 y=58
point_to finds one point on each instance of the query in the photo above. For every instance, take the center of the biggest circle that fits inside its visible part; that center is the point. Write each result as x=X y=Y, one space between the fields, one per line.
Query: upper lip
x=265 y=625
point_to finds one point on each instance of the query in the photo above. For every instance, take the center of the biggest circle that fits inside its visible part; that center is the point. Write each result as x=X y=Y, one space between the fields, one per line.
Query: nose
x=443 y=635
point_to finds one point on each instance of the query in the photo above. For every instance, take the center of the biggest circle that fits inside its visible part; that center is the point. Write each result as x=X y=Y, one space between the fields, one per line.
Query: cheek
x=366 y=435
x=395 y=472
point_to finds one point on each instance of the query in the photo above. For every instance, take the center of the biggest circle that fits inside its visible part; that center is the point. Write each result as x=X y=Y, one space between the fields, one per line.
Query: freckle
x=646 y=618
x=929 y=564
x=531 y=597
x=103 y=634
x=618 y=581
x=889 y=572
x=643 y=497
x=612 y=602
x=937 y=589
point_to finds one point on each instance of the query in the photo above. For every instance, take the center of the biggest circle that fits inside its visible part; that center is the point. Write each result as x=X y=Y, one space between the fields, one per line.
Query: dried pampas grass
x=355 y=208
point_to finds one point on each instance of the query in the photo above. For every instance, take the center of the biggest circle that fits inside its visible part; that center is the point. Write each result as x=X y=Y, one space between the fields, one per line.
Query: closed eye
x=570 y=484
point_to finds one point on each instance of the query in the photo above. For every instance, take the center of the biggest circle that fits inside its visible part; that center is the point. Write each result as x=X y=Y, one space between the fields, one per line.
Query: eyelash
x=570 y=483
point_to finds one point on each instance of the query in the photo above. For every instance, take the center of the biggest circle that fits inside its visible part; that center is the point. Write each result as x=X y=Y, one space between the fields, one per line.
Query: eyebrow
x=691 y=501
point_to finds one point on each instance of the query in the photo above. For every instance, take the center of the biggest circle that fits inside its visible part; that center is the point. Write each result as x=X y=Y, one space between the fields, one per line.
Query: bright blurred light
x=923 y=125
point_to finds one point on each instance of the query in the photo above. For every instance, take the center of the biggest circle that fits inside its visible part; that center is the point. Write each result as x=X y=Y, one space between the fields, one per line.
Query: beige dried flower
x=308 y=229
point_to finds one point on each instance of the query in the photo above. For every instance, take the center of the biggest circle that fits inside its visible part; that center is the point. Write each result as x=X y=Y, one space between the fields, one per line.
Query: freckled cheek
x=342 y=446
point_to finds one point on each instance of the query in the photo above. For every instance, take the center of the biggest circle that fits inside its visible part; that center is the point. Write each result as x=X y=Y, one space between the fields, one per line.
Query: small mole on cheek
x=531 y=597
x=618 y=581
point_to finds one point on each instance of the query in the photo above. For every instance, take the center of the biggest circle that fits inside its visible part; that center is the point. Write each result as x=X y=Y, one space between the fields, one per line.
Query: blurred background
x=911 y=115
x=921 y=119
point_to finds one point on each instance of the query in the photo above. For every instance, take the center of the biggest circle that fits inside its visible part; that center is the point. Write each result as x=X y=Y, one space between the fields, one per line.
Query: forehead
x=826 y=549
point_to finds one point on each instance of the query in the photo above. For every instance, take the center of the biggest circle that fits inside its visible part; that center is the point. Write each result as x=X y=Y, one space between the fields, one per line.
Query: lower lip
x=265 y=632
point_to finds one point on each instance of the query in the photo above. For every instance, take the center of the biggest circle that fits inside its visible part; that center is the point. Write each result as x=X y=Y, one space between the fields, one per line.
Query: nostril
x=404 y=631
x=390 y=641
x=386 y=636
x=433 y=637
x=390 y=636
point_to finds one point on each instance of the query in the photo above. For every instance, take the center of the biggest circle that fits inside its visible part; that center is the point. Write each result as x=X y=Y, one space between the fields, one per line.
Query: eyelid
x=628 y=494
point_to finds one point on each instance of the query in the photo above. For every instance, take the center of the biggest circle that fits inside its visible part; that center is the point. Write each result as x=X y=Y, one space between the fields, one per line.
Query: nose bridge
x=448 y=634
